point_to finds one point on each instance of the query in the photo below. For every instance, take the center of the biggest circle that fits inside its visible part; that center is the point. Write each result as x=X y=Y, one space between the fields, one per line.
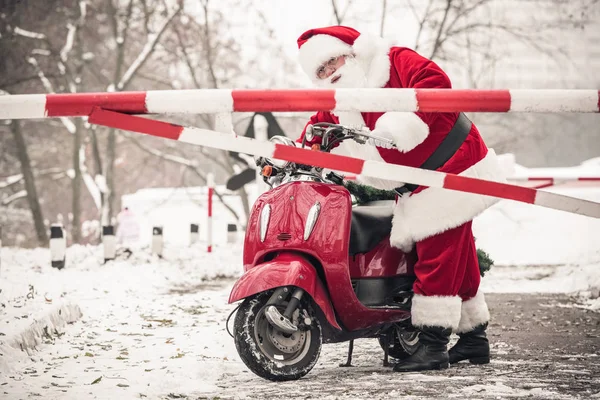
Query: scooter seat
x=371 y=223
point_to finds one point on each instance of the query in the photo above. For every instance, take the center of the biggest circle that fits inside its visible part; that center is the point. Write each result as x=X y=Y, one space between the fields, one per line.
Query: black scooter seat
x=371 y=223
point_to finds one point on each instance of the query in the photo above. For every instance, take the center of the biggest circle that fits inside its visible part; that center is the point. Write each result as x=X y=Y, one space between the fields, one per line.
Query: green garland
x=365 y=194
x=485 y=262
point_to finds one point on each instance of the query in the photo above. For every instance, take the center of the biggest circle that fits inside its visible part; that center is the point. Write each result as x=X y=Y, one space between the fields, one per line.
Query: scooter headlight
x=265 y=215
x=309 y=133
x=311 y=219
x=281 y=164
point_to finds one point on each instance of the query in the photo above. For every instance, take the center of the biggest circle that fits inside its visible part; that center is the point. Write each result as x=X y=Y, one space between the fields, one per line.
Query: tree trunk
x=77 y=181
x=32 y=196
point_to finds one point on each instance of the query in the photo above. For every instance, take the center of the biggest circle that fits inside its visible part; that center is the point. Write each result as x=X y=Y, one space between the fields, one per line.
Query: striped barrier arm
x=260 y=100
x=374 y=169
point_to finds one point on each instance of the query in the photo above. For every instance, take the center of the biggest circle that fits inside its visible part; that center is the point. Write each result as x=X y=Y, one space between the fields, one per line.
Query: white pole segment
x=240 y=144
x=378 y=169
x=526 y=100
x=366 y=100
x=195 y=101
x=565 y=203
x=23 y=106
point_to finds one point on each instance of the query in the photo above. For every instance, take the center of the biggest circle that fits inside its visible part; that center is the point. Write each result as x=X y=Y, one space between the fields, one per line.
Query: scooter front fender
x=287 y=269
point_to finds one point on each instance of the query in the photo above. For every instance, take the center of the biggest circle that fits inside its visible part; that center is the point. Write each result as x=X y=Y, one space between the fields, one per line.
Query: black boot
x=472 y=346
x=431 y=353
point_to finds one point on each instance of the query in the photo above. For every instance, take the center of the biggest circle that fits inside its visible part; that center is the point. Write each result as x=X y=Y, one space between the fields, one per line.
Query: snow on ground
x=128 y=307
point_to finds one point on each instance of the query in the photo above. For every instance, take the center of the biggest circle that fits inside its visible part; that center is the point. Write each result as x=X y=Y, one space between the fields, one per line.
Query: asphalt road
x=543 y=346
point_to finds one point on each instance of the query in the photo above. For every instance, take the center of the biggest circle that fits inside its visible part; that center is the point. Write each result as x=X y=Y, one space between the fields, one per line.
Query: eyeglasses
x=322 y=70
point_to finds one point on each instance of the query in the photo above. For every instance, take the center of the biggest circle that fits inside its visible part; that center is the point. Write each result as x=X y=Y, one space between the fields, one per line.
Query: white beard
x=352 y=75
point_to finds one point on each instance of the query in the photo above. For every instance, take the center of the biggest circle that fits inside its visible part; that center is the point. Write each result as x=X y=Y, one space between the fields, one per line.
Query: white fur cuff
x=407 y=129
x=441 y=311
x=474 y=312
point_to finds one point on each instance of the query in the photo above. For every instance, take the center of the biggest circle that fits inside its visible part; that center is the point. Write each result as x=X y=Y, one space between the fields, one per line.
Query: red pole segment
x=283 y=100
x=80 y=104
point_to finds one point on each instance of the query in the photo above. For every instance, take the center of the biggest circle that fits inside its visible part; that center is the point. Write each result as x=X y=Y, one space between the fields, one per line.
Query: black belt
x=445 y=150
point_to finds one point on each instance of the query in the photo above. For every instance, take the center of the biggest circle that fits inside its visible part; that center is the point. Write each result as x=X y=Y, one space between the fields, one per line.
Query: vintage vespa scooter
x=318 y=269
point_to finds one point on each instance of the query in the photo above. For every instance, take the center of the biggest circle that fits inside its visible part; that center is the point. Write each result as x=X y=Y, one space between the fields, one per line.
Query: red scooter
x=318 y=269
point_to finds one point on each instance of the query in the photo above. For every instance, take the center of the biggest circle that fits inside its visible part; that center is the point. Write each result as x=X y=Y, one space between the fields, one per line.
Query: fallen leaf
x=96 y=380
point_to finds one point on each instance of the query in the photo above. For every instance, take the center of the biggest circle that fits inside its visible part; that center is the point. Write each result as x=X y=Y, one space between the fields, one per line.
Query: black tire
x=255 y=340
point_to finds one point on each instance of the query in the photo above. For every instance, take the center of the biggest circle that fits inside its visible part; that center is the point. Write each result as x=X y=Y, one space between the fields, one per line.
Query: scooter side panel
x=290 y=204
x=285 y=270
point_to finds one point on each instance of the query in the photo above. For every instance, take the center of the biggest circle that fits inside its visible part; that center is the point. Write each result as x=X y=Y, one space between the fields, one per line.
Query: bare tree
x=122 y=80
x=30 y=188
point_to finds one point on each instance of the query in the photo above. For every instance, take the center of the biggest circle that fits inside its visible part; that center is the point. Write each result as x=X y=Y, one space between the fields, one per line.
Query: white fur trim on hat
x=318 y=49
x=441 y=311
x=474 y=312
x=435 y=210
x=406 y=129
x=372 y=52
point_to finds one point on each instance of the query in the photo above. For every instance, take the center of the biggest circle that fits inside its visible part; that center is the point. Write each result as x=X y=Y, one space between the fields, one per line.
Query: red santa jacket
x=426 y=211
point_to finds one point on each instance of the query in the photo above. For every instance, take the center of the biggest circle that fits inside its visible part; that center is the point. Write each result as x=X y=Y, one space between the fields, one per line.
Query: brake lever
x=362 y=136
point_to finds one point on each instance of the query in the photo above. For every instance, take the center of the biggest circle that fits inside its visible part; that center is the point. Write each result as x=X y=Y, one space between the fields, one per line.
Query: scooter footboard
x=287 y=269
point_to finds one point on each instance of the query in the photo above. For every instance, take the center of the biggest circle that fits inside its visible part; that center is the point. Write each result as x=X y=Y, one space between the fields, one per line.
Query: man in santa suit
x=433 y=221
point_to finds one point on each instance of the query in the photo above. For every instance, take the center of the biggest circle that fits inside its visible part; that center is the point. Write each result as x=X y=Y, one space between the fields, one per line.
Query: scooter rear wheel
x=269 y=352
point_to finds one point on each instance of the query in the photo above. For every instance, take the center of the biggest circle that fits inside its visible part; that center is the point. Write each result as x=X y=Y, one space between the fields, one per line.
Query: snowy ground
x=155 y=328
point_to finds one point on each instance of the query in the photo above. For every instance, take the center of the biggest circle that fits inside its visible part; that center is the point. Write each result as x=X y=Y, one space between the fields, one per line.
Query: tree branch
x=146 y=52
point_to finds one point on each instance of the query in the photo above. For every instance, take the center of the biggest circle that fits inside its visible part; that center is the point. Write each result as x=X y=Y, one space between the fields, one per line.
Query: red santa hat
x=320 y=44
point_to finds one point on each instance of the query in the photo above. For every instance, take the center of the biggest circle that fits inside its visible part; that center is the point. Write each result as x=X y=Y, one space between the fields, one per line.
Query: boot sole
x=479 y=360
x=434 y=367
x=473 y=360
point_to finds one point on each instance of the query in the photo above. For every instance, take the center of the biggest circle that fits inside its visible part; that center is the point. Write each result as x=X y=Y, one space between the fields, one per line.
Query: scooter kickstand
x=386 y=350
x=348 y=362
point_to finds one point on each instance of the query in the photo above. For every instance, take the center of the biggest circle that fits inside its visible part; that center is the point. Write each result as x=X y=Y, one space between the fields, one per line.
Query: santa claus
x=435 y=222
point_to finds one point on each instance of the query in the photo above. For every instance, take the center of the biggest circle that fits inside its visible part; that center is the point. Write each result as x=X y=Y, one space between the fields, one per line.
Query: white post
x=109 y=242
x=157 y=241
x=261 y=132
x=210 y=183
x=231 y=233
x=193 y=233
x=58 y=246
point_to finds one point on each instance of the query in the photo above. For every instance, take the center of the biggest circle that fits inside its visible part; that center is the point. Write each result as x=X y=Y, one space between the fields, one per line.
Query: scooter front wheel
x=269 y=352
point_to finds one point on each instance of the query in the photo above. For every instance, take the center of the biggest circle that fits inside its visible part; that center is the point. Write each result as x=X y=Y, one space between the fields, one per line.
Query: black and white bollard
x=231 y=233
x=109 y=242
x=193 y=233
x=157 y=241
x=58 y=246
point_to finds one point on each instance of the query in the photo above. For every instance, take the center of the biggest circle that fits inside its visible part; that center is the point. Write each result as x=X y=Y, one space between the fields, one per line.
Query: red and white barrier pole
x=374 y=169
x=202 y=101
x=210 y=183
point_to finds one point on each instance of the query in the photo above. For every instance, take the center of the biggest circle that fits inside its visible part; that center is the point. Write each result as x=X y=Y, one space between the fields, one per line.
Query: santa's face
x=346 y=72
